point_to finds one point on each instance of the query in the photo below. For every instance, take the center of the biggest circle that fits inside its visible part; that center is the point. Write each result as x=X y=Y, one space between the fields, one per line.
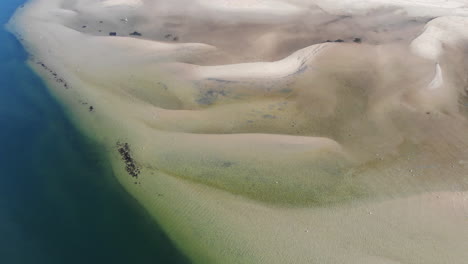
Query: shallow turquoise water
x=59 y=202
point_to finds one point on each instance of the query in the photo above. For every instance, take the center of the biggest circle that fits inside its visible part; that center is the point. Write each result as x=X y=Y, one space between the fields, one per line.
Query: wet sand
x=287 y=132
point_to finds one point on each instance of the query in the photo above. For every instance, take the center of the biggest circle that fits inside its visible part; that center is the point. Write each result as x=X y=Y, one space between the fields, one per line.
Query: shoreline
x=57 y=185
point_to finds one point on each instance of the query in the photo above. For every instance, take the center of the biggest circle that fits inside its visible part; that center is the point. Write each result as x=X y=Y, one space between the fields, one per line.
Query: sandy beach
x=282 y=131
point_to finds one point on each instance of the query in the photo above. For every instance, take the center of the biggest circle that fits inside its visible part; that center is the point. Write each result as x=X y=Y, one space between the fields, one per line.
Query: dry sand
x=257 y=141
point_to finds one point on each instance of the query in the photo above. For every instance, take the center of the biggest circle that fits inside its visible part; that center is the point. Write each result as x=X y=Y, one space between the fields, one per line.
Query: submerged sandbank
x=286 y=132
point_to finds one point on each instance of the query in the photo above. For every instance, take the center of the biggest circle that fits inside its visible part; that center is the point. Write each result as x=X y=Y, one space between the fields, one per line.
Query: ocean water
x=59 y=202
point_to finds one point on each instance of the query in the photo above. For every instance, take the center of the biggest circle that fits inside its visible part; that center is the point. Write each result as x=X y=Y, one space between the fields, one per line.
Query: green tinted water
x=59 y=202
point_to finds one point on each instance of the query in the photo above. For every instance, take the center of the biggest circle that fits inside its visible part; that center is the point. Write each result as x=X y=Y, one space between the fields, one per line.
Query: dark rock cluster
x=56 y=77
x=115 y=33
x=170 y=36
x=130 y=164
x=355 y=40
x=135 y=33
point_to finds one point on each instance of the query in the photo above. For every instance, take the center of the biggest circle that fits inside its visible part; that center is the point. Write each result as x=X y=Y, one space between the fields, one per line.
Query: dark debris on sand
x=130 y=164
x=54 y=74
x=135 y=33
x=172 y=37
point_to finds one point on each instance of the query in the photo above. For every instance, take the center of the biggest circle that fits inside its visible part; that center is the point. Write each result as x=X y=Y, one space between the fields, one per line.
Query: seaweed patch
x=54 y=74
x=210 y=96
x=135 y=33
x=130 y=164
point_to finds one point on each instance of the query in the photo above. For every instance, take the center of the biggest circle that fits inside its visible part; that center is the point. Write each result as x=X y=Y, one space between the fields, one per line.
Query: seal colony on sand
x=254 y=139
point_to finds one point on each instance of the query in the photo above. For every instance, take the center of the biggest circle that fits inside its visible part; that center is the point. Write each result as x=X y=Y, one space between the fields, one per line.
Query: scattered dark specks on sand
x=302 y=69
x=336 y=40
x=135 y=33
x=268 y=116
x=286 y=90
x=227 y=164
x=54 y=74
x=112 y=33
x=130 y=164
x=163 y=85
x=170 y=36
x=221 y=80
x=209 y=96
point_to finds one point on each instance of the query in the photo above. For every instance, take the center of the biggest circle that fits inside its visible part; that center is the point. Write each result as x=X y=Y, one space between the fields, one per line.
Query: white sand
x=412 y=7
x=262 y=70
x=259 y=143
x=130 y=3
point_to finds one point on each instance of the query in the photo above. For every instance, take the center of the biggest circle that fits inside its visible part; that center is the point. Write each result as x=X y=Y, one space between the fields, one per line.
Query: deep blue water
x=59 y=202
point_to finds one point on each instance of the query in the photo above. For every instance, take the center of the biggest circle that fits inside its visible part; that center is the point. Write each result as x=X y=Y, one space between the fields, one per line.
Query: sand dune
x=273 y=131
x=295 y=63
x=439 y=32
x=411 y=7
